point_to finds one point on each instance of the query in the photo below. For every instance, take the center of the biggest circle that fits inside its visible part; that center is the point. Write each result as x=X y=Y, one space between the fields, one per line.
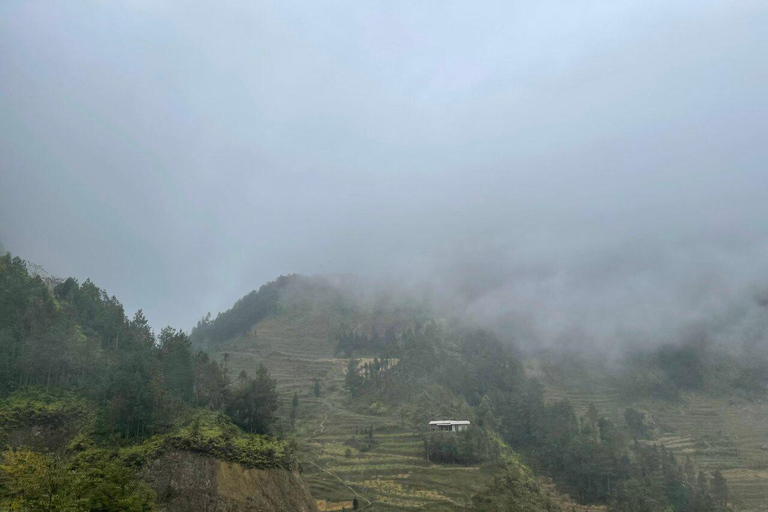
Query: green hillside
x=298 y=343
x=719 y=429
x=393 y=474
x=89 y=399
x=367 y=376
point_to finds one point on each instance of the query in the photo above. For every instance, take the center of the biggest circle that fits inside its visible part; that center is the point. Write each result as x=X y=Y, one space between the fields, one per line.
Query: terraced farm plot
x=391 y=474
x=310 y=338
x=716 y=433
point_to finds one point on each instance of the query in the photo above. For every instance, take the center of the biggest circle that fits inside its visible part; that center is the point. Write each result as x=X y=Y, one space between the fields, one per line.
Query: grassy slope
x=717 y=433
x=394 y=475
x=298 y=347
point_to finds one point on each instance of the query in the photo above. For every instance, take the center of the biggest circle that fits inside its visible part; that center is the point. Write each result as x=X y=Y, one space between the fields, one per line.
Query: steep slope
x=393 y=474
x=192 y=469
x=186 y=481
x=297 y=343
x=309 y=311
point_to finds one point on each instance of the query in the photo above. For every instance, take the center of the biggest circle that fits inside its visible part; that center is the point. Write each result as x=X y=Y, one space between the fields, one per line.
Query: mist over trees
x=237 y=320
x=471 y=374
x=549 y=219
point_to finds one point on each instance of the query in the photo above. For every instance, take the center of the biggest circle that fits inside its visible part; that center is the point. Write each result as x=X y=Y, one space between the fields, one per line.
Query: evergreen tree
x=255 y=402
x=485 y=415
x=143 y=334
x=211 y=383
x=592 y=415
x=635 y=422
x=177 y=364
x=294 y=409
x=391 y=344
x=353 y=380
x=719 y=489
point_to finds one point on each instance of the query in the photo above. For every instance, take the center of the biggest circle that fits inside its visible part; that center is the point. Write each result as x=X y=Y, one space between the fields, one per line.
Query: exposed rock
x=189 y=482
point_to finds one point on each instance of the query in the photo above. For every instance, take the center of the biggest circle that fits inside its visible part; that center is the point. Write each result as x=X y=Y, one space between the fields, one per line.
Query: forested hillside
x=698 y=400
x=88 y=398
x=315 y=309
x=398 y=375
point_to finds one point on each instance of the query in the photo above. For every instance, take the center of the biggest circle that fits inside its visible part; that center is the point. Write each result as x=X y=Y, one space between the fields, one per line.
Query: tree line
x=78 y=338
x=244 y=314
x=353 y=343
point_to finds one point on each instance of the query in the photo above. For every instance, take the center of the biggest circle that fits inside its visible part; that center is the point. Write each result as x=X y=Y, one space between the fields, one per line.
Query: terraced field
x=718 y=434
x=393 y=473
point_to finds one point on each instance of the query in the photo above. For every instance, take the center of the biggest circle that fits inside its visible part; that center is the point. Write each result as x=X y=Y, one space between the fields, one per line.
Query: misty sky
x=569 y=166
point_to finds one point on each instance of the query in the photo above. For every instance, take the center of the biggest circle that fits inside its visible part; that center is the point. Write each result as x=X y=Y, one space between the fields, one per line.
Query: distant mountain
x=314 y=309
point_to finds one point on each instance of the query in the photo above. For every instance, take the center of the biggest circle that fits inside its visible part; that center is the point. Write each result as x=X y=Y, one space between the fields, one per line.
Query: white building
x=449 y=425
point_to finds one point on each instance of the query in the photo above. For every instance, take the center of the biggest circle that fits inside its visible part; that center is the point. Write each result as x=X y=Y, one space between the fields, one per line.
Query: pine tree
x=317 y=388
x=255 y=402
x=353 y=380
x=294 y=409
x=592 y=415
x=719 y=489
x=485 y=415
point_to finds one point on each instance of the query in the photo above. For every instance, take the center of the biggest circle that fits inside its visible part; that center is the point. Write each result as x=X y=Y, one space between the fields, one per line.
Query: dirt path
x=321 y=429
x=322 y=426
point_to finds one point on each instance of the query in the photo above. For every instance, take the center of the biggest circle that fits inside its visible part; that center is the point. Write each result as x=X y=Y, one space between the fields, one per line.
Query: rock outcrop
x=189 y=482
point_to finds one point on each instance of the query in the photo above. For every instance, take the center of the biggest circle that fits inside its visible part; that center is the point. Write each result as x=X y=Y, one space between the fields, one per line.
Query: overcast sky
x=557 y=161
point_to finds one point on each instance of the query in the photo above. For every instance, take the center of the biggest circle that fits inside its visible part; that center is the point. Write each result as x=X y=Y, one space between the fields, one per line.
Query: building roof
x=449 y=422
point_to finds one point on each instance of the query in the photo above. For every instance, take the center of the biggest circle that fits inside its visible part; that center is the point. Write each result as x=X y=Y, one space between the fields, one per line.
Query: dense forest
x=106 y=392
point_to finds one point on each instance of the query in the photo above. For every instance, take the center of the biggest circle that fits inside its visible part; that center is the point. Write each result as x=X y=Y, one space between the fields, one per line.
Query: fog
x=578 y=173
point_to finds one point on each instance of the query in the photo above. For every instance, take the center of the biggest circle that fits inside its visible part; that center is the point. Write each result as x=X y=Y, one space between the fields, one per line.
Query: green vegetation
x=696 y=366
x=87 y=396
x=351 y=343
x=718 y=423
x=469 y=448
x=372 y=439
x=103 y=388
x=33 y=406
x=590 y=457
x=514 y=489
x=216 y=435
x=96 y=480
x=254 y=402
x=234 y=322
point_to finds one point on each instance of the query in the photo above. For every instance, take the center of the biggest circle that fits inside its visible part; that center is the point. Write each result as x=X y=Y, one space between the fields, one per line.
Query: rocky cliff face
x=188 y=482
